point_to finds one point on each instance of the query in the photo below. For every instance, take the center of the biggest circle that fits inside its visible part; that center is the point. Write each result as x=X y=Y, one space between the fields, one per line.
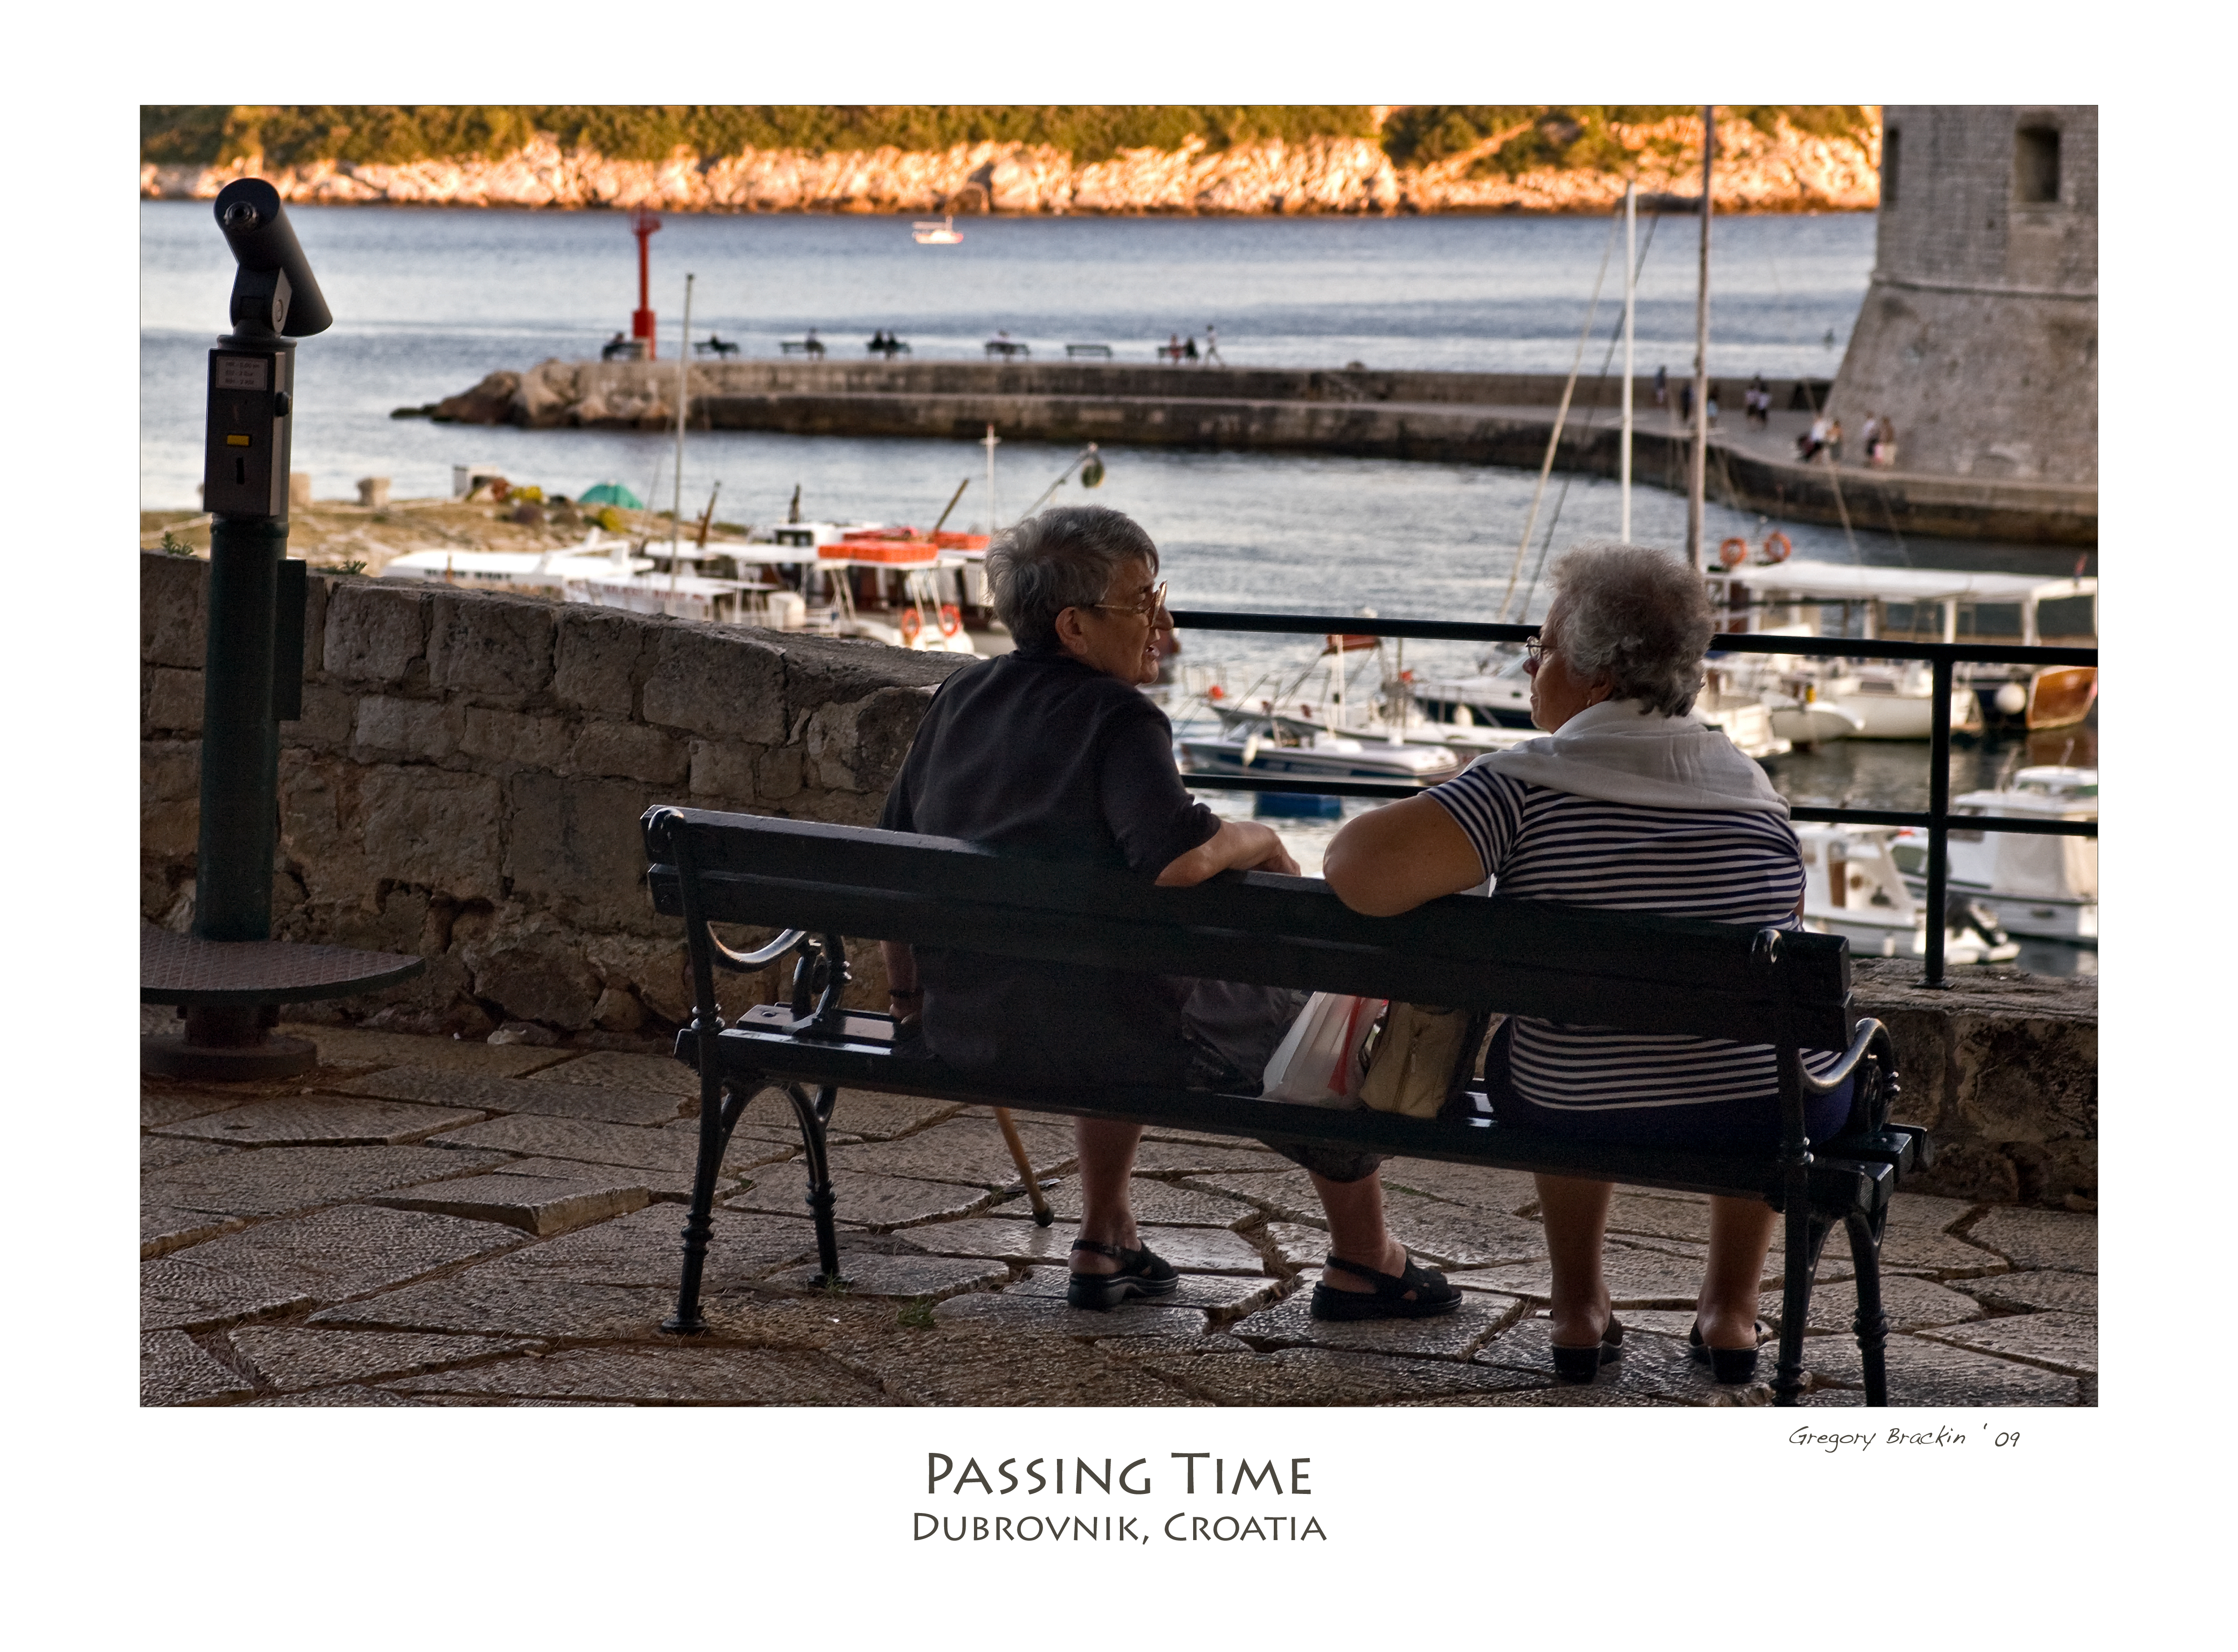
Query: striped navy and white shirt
x=1729 y=866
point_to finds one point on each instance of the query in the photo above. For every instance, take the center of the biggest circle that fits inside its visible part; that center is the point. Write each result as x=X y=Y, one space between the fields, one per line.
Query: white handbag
x=1323 y=1056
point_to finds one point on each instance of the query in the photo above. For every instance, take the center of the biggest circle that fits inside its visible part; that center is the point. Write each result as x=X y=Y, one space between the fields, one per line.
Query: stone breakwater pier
x=429 y=1217
x=1449 y=418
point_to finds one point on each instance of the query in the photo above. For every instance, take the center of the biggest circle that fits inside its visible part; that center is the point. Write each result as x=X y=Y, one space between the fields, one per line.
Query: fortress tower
x=1979 y=334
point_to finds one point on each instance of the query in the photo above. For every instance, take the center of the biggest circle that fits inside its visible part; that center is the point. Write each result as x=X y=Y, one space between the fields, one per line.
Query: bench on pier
x=818 y=883
x=1101 y=351
x=890 y=349
x=1008 y=348
x=812 y=347
x=716 y=347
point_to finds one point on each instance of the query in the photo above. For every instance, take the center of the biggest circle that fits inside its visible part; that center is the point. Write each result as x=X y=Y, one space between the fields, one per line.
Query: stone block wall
x=465 y=781
x=2002 y=1071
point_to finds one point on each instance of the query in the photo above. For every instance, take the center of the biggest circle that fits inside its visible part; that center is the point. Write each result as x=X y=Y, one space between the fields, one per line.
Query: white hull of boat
x=1814 y=724
x=1326 y=759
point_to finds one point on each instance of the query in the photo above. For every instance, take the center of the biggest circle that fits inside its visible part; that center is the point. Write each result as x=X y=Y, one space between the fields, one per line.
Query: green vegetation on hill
x=1578 y=138
x=1573 y=136
x=396 y=134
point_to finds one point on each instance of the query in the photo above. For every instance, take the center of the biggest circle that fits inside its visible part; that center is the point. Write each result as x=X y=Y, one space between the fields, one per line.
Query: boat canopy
x=1847 y=582
x=611 y=493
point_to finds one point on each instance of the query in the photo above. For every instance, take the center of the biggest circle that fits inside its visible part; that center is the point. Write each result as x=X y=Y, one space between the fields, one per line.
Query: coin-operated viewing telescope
x=229 y=978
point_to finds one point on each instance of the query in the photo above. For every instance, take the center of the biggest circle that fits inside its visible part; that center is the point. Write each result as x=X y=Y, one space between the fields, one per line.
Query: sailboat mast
x=1623 y=460
x=1697 y=480
x=683 y=403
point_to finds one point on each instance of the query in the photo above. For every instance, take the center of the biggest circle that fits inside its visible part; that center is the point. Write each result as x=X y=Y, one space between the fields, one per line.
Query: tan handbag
x=1421 y=1059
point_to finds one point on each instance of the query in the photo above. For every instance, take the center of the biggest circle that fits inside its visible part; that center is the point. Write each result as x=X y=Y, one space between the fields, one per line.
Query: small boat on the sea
x=1320 y=756
x=942 y=234
x=1853 y=887
x=1816 y=701
x=2031 y=884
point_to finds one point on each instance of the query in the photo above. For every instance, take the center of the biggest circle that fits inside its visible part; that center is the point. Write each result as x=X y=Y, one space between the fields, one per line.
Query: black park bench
x=820 y=884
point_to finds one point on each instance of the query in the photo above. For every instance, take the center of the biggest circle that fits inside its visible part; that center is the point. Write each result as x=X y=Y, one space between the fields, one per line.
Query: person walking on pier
x=1760 y=402
x=1662 y=387
x=1881 y=454
x=1212 y=345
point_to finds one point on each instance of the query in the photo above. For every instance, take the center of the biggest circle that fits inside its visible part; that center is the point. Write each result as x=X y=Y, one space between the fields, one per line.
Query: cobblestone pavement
x=425 y=1222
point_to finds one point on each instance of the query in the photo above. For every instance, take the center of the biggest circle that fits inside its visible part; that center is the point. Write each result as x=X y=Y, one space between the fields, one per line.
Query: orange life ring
x=951 y=620
x=1778 y=547
x=912 y=626
x=1733 y=552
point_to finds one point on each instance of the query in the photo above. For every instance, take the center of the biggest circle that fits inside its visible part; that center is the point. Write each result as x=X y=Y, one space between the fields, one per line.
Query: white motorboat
x=1321 y=756
x=2032 y=885
x=1816 y=701
x=1852 y=886
x=940 y=233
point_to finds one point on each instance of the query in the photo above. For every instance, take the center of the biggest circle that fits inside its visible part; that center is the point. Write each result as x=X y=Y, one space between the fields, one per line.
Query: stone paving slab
x=167 y=1107
x=174 y=1371
x=311 y=1121
x=1652 y=1216
x=1287 y=1194
x=1453 y=1335
x=1165 y=1157
x=1459 y=1235
x=290 y=1358
x=479 y=1302
x=765 y=1145
x=1564 y=1396
x=680 y=1375
x=163 y=1230
x=1225 y=1293
x=343 y=1394
x=881 y=1118
x=616 y=1070
x=2076 y=1293
x=910 y=1277
x=878 y=1202
x=1212 y=1341
x=160 y=1153
x=361 y=1047
x=316 y=1259
x=1921 y=1372
x=1637 y=1277
x=1325 y=1376
x=543 y=1205
x=590 y=1141
x=1024 y=1367
x=2031 y=1239
x=1909 y=1305
x=671 y=1187
x=963 y=1149
x=1005 y=1312
x=543 y=1096
x=1508 y=1192
x=1000 y=1237
x=275 y=1181
x=1295 y=1244
x=1654 y=1368
x=2066 y=1343
x=1162 y=1203
x=1917 y=1239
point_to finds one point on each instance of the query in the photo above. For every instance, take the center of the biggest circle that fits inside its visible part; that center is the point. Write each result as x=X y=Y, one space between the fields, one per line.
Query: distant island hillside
x=1020 y=158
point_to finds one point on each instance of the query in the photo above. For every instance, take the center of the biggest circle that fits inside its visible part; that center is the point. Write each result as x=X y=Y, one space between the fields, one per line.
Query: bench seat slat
x=861 y=1063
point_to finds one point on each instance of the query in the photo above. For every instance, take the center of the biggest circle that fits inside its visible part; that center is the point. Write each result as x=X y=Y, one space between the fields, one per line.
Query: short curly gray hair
x=1064 y=558
x=1640 y=615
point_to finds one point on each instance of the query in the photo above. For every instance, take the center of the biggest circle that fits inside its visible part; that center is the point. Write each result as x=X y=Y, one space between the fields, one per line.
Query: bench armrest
x=1870 y=1032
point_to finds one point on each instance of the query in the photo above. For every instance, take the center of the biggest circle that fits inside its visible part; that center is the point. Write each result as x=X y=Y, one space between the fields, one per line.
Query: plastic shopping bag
x=1322 y=1058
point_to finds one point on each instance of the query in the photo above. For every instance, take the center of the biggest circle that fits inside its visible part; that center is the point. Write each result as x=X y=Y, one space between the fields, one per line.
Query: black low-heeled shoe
x=1142 y=1272
x=1417 y=1293
x=1583 y=1365
x=1726 y=1365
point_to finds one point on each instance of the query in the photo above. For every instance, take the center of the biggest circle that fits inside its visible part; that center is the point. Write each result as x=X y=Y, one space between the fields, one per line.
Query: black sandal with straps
x=1389 y=1300
x=1142 y=1272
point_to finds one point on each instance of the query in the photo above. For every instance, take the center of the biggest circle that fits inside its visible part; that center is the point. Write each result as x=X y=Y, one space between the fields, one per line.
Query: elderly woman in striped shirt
x=1629 y=803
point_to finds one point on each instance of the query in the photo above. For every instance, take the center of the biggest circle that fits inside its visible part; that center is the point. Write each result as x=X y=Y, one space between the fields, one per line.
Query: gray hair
x=1064 y=558
x=1640 y=615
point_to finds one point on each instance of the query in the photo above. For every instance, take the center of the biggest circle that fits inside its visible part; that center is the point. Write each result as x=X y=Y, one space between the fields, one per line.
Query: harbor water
x=428 y=301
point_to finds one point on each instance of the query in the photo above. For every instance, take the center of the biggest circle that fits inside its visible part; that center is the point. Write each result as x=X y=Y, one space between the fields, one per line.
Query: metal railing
x=1944 y=657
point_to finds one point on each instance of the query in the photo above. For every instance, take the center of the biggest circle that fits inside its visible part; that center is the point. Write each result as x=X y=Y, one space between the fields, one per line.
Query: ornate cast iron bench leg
x=1871 y=1323
x=815 y=1119
x=1806 y=1239
x=721 y=1101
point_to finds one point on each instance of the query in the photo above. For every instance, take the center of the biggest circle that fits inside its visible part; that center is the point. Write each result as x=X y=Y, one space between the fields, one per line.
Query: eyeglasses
x=1152 y=603
x=1535 y=651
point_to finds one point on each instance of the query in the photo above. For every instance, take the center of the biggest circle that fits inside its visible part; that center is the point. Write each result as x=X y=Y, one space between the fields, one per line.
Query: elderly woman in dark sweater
x=1629 y=803
x=1052 y=752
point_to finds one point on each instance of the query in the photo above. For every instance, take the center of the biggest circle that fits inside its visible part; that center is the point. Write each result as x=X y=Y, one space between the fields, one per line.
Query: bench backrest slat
x=1565 y=964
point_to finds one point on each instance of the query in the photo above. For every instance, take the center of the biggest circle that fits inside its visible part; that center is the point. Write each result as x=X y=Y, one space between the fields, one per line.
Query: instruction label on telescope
x=243 y=372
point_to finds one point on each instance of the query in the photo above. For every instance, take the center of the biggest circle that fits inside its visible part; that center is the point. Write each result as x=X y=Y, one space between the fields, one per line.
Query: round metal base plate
x=173 y=1056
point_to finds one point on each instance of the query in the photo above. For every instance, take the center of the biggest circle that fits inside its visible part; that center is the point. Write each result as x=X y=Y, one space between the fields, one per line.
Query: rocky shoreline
x=1790 y=171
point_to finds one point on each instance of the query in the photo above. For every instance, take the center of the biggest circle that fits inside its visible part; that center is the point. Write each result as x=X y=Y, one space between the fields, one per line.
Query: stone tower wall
x=1979 y=334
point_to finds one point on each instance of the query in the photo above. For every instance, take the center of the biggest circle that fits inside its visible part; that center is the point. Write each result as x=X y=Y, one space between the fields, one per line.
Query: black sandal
x=1142 y=1273
x=1389 y=1300
x=1582 y=1364
x=1726 y=1365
